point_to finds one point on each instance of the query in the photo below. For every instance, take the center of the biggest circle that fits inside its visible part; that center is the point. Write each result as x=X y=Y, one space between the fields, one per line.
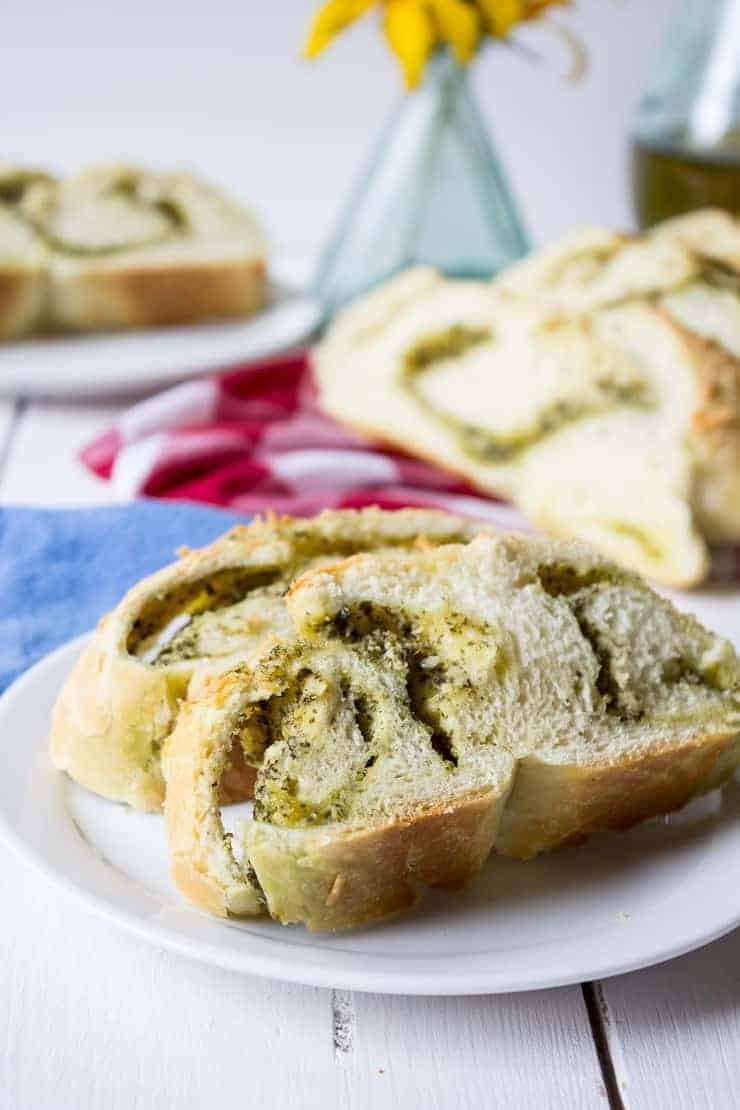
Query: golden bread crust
x=552 y=804
x=21 y=300
x=96 y=297
x=334 y=881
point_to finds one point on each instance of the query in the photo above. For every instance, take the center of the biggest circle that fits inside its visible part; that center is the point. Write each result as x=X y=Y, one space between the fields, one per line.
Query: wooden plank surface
x=527 y=1050
x=95 y=1018
x=8 y=416
x=674 y=1031
x=42 y=467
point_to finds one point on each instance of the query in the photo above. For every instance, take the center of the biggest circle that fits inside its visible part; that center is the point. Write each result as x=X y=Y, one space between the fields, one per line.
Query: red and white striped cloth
x=254 y=439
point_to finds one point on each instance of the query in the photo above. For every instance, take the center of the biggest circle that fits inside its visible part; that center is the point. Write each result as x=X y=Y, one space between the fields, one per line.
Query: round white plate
x=619 y=902
x=133 y=362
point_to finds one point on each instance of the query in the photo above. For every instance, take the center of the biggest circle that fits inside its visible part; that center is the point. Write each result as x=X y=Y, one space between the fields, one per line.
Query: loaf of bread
x=118 y=247
x=434 y=704
x=596 y=385
x=198 y=617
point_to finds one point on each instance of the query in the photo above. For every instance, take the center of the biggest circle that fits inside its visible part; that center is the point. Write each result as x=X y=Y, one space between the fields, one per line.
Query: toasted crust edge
x=339 y=878
x=22 y=301
x=90 y=297
x=551 y=804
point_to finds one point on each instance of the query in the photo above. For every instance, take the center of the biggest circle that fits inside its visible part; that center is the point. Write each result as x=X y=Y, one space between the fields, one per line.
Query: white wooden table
x=92 y=1019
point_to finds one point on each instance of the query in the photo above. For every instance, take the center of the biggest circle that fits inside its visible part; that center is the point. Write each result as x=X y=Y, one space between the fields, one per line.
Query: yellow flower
x=459 y=24
x=413 y=28
x=330 y=19
x=410 y=33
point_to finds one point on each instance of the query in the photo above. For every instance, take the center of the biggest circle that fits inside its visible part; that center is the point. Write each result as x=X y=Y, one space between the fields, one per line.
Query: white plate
x=620 y=902
x=133 y=362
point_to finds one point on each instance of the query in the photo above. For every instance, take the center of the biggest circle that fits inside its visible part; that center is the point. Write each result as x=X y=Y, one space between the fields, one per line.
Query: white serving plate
x=617 y=903
x=93 y=366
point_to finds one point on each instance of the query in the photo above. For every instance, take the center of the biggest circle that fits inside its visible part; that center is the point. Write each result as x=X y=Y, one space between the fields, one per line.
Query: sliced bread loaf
x=511 y=693
x=619 y=427
x=132 y=248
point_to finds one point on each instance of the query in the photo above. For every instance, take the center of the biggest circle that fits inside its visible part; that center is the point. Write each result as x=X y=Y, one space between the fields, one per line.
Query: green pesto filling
x=80 y=250
x=125 y=188
x=190 y=600
x=486 y=446
x=720 y=275
x=441 y=345
x=500 y=448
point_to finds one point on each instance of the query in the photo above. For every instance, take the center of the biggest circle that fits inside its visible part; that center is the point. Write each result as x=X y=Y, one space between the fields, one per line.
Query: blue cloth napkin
x=60 y=570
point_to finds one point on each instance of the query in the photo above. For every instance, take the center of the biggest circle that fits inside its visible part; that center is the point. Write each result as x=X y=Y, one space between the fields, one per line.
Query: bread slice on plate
x=131 y=248
x=618 y=426
x=196 y=617
x=24 y=258
x=510 y=693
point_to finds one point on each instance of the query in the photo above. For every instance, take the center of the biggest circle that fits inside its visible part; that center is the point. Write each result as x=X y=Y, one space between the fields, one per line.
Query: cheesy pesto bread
x=196 y=617
x=437 y=703
x=120 y=247
x=572 y=386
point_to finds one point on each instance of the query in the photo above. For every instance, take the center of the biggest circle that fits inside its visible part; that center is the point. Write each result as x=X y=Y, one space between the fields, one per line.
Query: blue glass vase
x=434 y=193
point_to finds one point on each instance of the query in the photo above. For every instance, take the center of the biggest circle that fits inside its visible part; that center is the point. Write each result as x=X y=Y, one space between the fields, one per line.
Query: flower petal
x=411 y=36
x=502 y=15
x=331 y=18
x=459 y=25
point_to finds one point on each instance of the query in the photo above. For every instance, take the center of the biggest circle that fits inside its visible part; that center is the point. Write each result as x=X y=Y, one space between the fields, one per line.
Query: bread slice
x=689 y=265
x=690 y=268
x=709 y=305
x=131 y=248
x=24 y=258
x=593 y=267
x=708 y=232
x=619 y=427
x=330 y=712
x=196 y=617
x=516 y=693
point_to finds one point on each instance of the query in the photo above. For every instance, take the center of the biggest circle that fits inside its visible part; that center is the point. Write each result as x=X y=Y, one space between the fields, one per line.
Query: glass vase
x=434 y=193
x=686 y=149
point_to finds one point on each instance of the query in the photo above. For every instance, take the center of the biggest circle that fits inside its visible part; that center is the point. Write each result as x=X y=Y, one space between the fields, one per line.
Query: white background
x=218 y=85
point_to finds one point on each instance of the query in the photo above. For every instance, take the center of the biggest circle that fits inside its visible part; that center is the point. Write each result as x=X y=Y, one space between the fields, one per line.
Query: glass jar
x=686 y=138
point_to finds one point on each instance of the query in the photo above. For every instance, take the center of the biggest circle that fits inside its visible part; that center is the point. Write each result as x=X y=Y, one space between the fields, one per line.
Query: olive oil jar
x=686 y=138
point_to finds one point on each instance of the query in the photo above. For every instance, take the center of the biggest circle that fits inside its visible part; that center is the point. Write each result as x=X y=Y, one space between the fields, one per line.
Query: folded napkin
x=254 y=439
x=61 y=570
